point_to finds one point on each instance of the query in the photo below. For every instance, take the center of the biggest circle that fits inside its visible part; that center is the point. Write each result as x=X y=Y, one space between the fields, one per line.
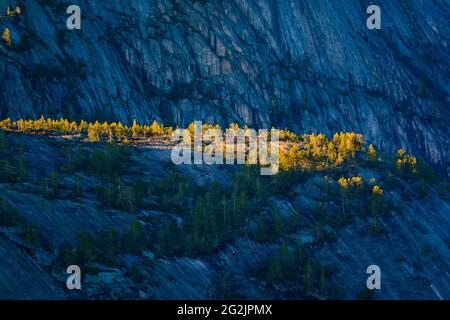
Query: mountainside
x=145 y=229
x=106 y=195
x=305 y=65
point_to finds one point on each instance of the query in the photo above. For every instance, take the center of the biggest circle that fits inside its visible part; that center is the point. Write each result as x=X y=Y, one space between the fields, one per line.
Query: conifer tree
x=308 y=276
x=7 y=37
x=52 y=184
x=86 y=248
x=323 y=281
x=261 y=229
x=134 y=237
x=372 y=153
x=285 y=259
x=274 y=272
x=22 y=167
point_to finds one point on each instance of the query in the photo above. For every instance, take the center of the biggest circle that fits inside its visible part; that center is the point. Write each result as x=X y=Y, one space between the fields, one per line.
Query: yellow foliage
x=7 y=37
x=377 y=190
x=94 y=131
x=155 y=128
x=308 y=151
x=355 y=181
x=9 y=12
x=343 y=182
x=406 y=163
x=372 y=153
x=316 y=151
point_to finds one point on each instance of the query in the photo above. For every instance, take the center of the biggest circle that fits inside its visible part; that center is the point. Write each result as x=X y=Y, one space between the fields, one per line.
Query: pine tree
x=9 y=12
x=204 y=229
x=376 y=205
x=76 y=189
x=274 y=273
x=94 y=132
x=285 y=259
x=126 y=199
x=406 y=164
x=344 y=185
x=319 y=213
x=31 y=235
x=156 y=129
x=7 y=37
x=225 y=215
x=135 y=129
x=86 y=248
x=372 y=153
x=308 y=276
x=225 y=287
x=108 y=243
x=22 y=167
x=134 y=237
x=5 y=171
x=261 y=231
x=323 y=281
x=52 y=184
x=299 y=255
x=165 y=237
x=9 y=217
x=3 y=143
x=260 y=191
x=277 y=228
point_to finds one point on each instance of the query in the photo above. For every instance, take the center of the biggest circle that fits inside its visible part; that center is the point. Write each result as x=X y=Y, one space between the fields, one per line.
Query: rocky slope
x=412 y=249
x=305 y=65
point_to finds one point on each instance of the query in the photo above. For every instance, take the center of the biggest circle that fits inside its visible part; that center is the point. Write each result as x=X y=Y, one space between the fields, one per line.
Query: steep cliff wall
x=412 y=247
x=305 y=65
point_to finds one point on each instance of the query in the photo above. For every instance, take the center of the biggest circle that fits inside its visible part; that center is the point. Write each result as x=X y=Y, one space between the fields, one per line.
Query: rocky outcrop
x=412 y=251
x=305 y=65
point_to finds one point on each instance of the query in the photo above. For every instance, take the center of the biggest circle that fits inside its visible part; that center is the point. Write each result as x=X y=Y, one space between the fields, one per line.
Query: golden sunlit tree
x=406 y=164
x=156 y=128
x=7 y=37
x=9 y=12
x=372 y=153
x=376 y=190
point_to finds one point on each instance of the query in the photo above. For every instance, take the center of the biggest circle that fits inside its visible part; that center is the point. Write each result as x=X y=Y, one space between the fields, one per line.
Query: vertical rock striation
x=304 y=65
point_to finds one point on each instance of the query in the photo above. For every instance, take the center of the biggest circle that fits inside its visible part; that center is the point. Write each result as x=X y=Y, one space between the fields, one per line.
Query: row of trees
x=211 y=216
x=10 y=217
x=319 y=152
x=103 y=247
x=94 y=131
x=298 y=264
x=309 y=150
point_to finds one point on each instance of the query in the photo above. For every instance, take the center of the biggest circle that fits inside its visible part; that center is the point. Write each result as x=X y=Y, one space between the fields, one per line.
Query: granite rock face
x=412 y=252
x=304 y=65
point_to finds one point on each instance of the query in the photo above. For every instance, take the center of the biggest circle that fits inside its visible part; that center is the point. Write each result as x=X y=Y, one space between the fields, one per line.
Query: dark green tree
x=309 y=276
x=274 y=272
x=86 y=248
x=134 y=238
